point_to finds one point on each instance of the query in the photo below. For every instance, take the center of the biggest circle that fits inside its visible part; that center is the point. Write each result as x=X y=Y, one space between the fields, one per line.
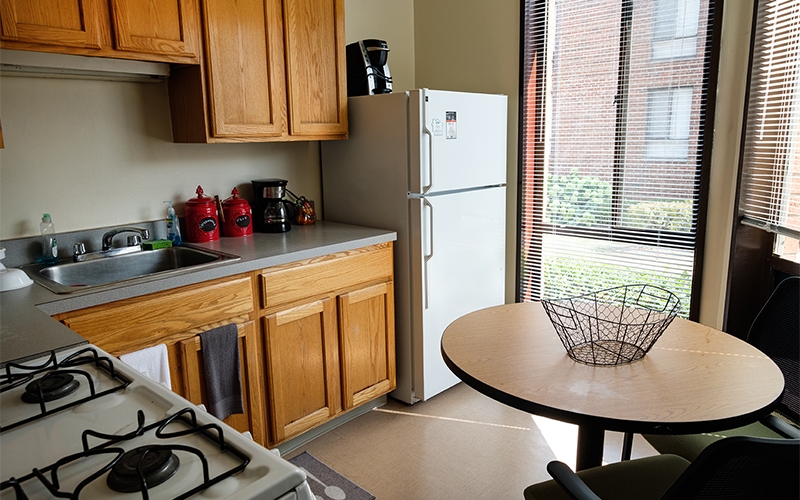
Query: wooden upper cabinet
x=67 y=23
x=316 y=67
x=274 y=70
x=164 y=27
x=147 y=30
x=244 y=48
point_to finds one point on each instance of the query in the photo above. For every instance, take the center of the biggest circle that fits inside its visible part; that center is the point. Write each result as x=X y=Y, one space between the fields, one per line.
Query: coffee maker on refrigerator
x=367 y=71
x=270 y=214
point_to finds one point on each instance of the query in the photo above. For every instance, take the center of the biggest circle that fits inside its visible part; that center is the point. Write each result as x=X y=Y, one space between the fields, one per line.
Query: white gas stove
x=82 y=424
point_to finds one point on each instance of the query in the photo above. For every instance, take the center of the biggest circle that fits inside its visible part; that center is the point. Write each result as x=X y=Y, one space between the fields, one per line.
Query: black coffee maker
x=367 y=71
x=270 y=211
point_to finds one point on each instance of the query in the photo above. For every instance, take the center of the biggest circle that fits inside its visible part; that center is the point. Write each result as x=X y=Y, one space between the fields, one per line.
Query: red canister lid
x=234 y=201
x=201 y=200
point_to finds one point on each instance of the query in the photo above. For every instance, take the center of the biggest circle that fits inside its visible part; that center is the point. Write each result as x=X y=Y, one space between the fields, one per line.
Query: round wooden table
x=694 y=379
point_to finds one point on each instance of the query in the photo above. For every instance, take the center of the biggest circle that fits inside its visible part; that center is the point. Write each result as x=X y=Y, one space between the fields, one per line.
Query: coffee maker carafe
x=270 y=214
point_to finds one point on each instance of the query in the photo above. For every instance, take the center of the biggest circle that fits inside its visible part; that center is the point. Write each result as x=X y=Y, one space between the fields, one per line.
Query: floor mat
x=326 y=483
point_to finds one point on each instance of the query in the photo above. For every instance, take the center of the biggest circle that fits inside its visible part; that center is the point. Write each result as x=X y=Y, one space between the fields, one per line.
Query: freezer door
x=461 y=257
x=458 y=138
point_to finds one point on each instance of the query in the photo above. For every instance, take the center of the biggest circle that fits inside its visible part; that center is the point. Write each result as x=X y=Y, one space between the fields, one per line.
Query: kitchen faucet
x=108 y=237
x=134 y=244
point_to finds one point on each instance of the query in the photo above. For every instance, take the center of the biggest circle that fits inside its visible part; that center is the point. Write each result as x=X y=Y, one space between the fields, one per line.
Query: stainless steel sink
x=145 y=265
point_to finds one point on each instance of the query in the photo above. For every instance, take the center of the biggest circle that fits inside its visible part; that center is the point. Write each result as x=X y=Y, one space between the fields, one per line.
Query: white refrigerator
x=431 y=166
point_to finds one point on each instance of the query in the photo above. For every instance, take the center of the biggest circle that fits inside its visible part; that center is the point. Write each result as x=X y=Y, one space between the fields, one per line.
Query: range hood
x=47 y=65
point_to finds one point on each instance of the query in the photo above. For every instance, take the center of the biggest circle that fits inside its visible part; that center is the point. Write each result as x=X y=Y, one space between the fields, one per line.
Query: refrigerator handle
x=426 y=131
x=428 y=256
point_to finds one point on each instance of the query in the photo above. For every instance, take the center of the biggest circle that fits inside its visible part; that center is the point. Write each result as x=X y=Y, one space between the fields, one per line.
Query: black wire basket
x=612 y=326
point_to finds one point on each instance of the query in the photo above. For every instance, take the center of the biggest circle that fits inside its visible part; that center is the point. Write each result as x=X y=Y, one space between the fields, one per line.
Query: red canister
x=237 y=217
x=202 y=219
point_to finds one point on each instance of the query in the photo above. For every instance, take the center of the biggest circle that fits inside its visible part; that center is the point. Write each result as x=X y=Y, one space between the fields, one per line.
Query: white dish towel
x=152 y=361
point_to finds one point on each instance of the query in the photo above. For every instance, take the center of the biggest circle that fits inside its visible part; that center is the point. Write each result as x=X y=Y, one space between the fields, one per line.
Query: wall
x=473 y=46
x=391 y=21
x=100 y=153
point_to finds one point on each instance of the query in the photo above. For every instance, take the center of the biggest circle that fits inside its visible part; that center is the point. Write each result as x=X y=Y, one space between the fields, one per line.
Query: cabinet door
x=244 y=52
x=302 y=368
x=194 y=382
x=166 y=27
x=315 y=67
x=366 y=319
x=68 y=23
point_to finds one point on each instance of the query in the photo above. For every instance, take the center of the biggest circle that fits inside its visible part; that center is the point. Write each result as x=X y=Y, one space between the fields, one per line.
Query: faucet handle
x=134 y=240
x=78 y=250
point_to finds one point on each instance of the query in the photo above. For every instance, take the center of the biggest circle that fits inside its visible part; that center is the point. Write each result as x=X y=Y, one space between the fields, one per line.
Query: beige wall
x=473 y=46
x=389 y=20
x=100 y=153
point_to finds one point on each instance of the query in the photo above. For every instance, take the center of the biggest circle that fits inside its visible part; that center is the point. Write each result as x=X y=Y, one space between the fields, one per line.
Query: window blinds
x=770 y=183
x=614 y=99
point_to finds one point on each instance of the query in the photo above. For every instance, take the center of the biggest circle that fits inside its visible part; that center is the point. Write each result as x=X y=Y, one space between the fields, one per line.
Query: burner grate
x=51 y=370
x=136 y=463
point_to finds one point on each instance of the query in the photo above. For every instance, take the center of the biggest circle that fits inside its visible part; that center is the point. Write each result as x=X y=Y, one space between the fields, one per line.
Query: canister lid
x=234 y=201
x=201 y=198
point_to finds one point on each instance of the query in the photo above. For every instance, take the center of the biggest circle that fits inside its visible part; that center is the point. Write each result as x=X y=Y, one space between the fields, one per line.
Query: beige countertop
x=26 y=328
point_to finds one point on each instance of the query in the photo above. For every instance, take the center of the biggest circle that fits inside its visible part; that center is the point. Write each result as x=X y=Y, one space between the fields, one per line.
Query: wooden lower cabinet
x=366 y=332
x=302 y=367
x=193 y=379
x=316 y=337
x=176 y=318
x=334 y=350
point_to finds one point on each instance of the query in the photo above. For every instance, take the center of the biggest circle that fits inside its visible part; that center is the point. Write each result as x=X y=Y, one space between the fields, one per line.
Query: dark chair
x=776 y=332
x=730 y=469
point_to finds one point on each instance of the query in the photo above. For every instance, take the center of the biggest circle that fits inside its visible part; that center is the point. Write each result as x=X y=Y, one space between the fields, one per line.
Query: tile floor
x=458 y=445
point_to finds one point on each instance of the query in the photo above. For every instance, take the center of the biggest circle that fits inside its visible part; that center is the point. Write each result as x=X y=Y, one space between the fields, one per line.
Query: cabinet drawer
x=144 y=321
x=324 y=275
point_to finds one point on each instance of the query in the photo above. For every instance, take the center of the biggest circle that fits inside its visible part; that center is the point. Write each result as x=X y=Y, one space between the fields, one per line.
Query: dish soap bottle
x=173 y=227
x=49 y=243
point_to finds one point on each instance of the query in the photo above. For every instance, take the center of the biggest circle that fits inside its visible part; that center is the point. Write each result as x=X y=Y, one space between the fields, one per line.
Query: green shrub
x=583 y=276
x=575 y=200
x=669 y=215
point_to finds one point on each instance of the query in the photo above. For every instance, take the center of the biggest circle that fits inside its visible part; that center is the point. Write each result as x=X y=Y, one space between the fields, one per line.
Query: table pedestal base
x=590 y=447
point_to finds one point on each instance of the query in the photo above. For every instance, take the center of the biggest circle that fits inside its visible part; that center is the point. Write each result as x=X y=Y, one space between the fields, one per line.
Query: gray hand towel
x=220 y=348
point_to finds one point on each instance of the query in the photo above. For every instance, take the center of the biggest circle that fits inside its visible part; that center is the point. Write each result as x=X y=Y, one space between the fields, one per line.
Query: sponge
x=155 y=244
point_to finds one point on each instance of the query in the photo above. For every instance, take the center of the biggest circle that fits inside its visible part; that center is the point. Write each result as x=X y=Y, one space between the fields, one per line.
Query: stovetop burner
x=54 y=385
x=91 y=442
x=142 y=468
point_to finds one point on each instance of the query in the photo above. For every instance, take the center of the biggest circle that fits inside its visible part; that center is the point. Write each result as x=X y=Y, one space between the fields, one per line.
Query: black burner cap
x=157 y=465
x=53 y=386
